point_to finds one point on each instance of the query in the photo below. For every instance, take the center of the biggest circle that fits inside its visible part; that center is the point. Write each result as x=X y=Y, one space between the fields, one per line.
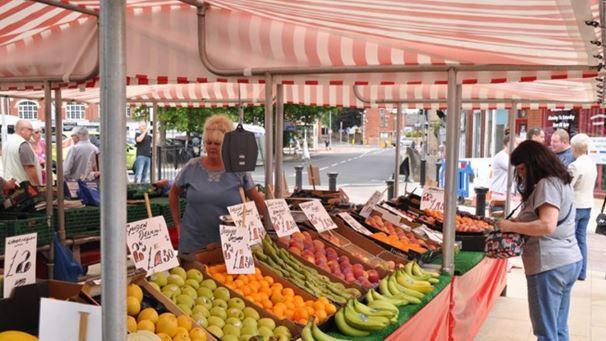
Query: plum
x=318 y=244
x=358 y=272
x=358 y=266
x=344 y=259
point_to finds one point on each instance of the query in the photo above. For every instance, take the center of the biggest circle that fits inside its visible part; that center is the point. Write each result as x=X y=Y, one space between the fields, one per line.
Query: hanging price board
x=317 y=215
x=370 y=204
x=236 y=250
x=252 y=222
x=19 y=261
x=281 y=219
x=432 y=199
x=150 y=246
x=354 y=224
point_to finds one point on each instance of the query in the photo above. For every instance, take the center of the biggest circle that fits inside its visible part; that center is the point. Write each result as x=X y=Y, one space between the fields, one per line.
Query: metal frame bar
x=278 y=183
x=227 y=100
x=512 y=137
x=602 y=7
x=268 y=131
x=154 y=158
x=396 y=184
x=48 y=122
x=68 y=6
x=59 y=147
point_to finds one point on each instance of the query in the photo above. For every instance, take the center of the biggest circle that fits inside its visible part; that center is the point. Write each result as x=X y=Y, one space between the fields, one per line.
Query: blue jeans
x=581 y=220
x=549 y=301
x=142 y=164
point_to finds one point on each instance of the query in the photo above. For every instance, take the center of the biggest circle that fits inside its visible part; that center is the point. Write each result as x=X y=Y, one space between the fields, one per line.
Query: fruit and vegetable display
x=274 y=297
x=305 y=277
x=328 y=259
x=463 y=223
x=212 y=307
x=146 y=323
x=358 y=252
x=398 y=237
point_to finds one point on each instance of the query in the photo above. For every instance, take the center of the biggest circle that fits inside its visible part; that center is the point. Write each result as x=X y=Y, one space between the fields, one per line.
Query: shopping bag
x=88 y=192
x=66 y=267
x=601 y=221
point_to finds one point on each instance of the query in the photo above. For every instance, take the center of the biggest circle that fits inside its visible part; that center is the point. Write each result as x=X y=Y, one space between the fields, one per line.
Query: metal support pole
x=396 y=186
x=59 y=147
x=154 y=159
x=389 y=188
x=113 y=169
x=298 y=177
x=452 y=122
x=48 y=136
x=279 y=141
x=269 y=129
x=332 y=181
x=512 y=140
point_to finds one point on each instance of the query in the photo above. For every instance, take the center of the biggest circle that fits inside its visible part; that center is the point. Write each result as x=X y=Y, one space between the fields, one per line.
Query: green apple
x=222 y=293
x=215 y=330
x=216 y=321
x=195 y=274
x=220 y=303
x=251 y=312
x=189 y=291
x=229 y=329
x=176 y=280
x=185 y=309
x=282 y=330
x=185 y=300
x=234 y=321
x=236 y=302
x=160 y=278
x=200 y=319
x=265 y=332
x=201 y=309
x=179 y=271
x=155 y=286
x=171 y=289
x=205 y=292
x=281 y=337
x=246 y=337
x=193 y=283
x=248 y=330
x=230 y=337
x=250 y=322
x=267 y=322
x=219 y=312
x=235 y=312
x=205 y=301
x=209 y=283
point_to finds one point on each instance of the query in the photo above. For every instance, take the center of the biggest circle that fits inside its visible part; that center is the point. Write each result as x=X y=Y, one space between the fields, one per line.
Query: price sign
x=370 y=204
x=236 y=250
x=63 y=320
x=19 y=261
x=396 y=212
x=432 y=199
x=72 y=187
x=281 y=219
x=354 y=223
x=252 y=223
x=317 y=215
x=150 y=246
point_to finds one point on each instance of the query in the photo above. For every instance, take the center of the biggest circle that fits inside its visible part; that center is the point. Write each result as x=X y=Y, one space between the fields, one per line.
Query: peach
x=318 y=245
x=306 y=235
x=295 y=250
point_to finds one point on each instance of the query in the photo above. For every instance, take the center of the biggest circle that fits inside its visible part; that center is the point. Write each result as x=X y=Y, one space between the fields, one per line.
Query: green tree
x=188 y=120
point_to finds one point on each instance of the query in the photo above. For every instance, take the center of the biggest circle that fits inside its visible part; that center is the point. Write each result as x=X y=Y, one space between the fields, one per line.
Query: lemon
x=185 y=322
x=13 y=335
x=167 y=315
x=164 y=337
x=167 y=326
x=131 y=324
x=146 y=325
x=133 y=305
x=148 y=314
x=135 y=291
x=197 y=334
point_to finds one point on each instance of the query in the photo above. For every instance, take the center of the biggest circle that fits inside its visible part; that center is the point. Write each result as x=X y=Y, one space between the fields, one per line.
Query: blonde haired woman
x=209 y=190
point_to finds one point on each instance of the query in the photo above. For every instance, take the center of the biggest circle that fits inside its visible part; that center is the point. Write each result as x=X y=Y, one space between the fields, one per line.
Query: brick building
x=380 y=126
x=72 y=112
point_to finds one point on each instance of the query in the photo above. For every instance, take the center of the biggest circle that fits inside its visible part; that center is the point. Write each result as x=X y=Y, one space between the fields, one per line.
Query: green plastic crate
x=16 y=224
x=84 y=221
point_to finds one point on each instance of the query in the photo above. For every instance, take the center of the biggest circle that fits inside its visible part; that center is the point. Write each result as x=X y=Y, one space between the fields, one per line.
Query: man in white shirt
x=20 y=160
x=500 y=167
x=81 y=159
x=584 y=174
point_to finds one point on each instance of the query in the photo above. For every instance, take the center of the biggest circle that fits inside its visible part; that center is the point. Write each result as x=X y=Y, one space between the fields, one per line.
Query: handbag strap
x=566 y=217
x=513 y=211
x=603 y=205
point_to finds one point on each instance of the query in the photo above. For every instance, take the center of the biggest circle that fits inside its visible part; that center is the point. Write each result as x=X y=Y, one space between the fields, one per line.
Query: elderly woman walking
x=584 y=173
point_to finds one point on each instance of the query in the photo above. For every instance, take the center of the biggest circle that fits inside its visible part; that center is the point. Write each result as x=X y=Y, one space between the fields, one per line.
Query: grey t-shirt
x=559 y=248
x=26 y=155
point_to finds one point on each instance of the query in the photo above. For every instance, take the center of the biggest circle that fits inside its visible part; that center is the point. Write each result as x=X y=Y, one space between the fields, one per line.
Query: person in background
x=560 y=144
x=500 y=167
x=536 y=134
x=584 y=174
x=39 y=146
x=21 y=161
x=552 y=259
x=7 y=185
x=81 y=161
x=143 y=141
x=210 y=190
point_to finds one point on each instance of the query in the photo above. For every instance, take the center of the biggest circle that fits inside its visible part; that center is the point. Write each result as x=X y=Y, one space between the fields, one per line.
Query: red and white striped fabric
x=568 y=92
x=38 y=40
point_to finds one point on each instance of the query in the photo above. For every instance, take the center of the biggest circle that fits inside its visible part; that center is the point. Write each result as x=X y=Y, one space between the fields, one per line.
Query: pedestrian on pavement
x=560 y=144
x=536 y=134
x=39 y=146
x=81 y=161
x=143 y=141
x=500 y=167
x=552 y=259
x=584 y=174
x=20 y=160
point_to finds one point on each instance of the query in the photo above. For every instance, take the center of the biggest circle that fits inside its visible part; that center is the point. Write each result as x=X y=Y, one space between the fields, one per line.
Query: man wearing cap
x=20 y=160
x=81 y=159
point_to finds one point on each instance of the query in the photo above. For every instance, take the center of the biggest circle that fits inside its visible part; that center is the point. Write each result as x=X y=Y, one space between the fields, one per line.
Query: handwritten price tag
x=281 y=219
x=19 y=261
x=149 y=245
x=317 y=215
x=354 y=223
x=236 y=250
x=370 y=204
x=432 y=199
x=251 y=223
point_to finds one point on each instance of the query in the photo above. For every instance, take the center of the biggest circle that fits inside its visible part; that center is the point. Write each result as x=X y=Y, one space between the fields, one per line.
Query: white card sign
x=432 y=199
x=19 y=261
x=281 y=219
x=73 y=188
x=370 y=204
x=251 y=223
x=150 y=246
x=395 y=211
x=236 y=250
x=64 y=320
x=317 y=215
x=354 y=224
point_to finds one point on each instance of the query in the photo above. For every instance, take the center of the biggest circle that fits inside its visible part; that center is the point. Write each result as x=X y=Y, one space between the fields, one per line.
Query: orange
x=277 y=287
x=243 y=278
x=311 y=310
x=309 y=303
x=288 y=314
x=238 y=283
x=257 y=271
x=321 y=315
x=298 y=301
x=330 y=309
x=229 y=279
x=254 y=286
x=277 y=297
x=263 y=296
x=318 y=305
x=288 y=292
x=220 y=278
x=324 y=300
x=267 y=304
x=239 y=292
x=302 y=321
x=280 y=308
x=269 y=279
x=264 y=284
x=246 y=291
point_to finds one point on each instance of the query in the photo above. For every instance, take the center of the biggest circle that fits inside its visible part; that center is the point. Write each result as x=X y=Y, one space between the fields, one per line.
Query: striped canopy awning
x=42 y=40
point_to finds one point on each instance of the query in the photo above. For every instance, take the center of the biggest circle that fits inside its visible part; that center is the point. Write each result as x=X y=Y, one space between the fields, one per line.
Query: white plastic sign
x=150 y=246
x=370 y=204
x=432 y=199
x=64 y=320
x=252 y=221
x=317 y=215
x=354 y=224
x=281 y=219
x=395 y=211
x=73 y=188
x=19 y=261
x=236 y=250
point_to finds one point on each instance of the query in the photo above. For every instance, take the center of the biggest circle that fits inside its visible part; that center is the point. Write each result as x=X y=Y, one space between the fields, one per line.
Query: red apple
x=373 y=276
x=344 y=259
x=306 y=235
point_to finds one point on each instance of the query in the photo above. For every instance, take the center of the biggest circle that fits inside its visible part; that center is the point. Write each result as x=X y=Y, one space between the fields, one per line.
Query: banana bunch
x=357 y=319
x=311 y=332
x=409 y=284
